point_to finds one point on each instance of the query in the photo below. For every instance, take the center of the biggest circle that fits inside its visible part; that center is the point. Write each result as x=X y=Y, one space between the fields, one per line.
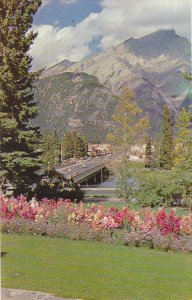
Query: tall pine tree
x=79 y=145
x=74 y=145
x=68 y=150
x=166 y=143
x=19 y=155
x=183 y=140
x=50 y=150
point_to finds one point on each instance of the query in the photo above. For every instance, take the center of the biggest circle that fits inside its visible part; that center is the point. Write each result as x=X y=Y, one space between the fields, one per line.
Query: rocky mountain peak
x=161 y=33
x=58 y=68
x=160 y=42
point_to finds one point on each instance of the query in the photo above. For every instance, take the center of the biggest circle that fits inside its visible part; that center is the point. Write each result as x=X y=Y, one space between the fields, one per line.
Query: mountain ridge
x=74 y=101
x=55 y=69
x=156 y=80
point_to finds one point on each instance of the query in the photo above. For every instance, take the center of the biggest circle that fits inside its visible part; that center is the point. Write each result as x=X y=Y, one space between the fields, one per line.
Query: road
x=84 y=166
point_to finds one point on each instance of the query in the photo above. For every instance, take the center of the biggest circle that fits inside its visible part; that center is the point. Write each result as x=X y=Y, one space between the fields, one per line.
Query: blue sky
x=65 y=15
x=73 y=29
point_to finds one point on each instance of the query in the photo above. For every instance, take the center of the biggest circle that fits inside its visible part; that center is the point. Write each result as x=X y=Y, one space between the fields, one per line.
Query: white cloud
x=138 y=18
x=117 y=21
x=54 y=44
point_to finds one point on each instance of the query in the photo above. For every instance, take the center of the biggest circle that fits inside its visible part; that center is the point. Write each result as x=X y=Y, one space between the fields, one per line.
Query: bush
x=54 y=185
x=149 y=198
x=170 y=188
x=154 y=187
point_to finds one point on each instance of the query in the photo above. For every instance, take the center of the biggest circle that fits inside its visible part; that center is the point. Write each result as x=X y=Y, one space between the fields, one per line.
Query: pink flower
x=97 y=216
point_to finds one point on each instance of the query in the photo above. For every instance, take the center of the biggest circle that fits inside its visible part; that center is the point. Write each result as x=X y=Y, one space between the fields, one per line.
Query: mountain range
x=83 y=95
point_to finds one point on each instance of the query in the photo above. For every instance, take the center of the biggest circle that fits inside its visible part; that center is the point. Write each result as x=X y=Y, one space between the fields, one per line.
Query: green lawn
x=181 y=211
x=91 y=270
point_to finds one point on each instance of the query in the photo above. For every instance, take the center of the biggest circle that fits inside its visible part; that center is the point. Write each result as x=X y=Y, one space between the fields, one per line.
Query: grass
x=180 y=211
x=91 y=270
x=101 y=196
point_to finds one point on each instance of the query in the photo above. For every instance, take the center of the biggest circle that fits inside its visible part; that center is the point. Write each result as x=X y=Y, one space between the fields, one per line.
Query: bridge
x=82 y=171
x=88 y=173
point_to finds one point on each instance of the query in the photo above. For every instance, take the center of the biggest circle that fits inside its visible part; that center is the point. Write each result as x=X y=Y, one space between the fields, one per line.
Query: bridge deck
x=88 y=173
x=80 y=172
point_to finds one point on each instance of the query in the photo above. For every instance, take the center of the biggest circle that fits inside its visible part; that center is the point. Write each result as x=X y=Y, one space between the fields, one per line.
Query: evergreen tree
x=68 y=150
x=183 y=140
x=156 y=155
x=79 y=145
x=50 y=150
x=166 y=143
x=19 y=155
x=148 y=153
x=83 y=146
x=74 y=145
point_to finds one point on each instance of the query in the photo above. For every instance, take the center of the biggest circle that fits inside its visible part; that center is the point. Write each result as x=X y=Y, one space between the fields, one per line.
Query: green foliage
x=164 y=188
x=54 y=185
x=188 y=76
x=19 y=148
x=67 y=144
x=129 y=125
x=122 y=184
x=60 y=94
x=183 y=140
x=166 y=142
x=74 y=145
x=50 y=150
x=79 y=145
x=154 y=187
x=149 y=198
x=125 y=182
x=148 y=153
x=156 y=155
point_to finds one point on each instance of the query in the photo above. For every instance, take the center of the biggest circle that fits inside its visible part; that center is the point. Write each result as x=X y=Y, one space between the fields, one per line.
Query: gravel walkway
x=12 y=294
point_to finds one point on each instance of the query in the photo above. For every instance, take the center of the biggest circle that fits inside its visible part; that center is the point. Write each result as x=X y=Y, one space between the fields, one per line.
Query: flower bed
x=77 y=221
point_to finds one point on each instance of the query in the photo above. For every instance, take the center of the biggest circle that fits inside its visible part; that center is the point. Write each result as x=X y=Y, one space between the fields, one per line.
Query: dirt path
x=13 y=294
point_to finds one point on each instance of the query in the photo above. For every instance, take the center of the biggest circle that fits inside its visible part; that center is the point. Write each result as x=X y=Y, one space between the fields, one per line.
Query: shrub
x=150 y=187
x=54 y=185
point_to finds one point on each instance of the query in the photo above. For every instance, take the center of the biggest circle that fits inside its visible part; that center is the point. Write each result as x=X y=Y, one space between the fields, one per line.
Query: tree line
x=56 y=149
x=166 y=179
x=174 y=148
x=74 y=145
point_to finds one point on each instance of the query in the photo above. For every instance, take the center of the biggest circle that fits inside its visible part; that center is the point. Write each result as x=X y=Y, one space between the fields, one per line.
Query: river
x=105 y=189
